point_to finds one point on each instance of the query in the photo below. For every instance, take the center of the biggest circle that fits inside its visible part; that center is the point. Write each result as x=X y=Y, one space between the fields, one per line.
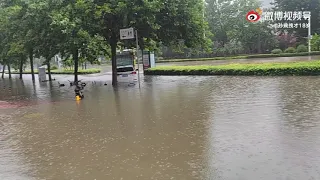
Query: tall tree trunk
x=21 y=67
x=85 y=65
x=113 y=45
x=4 y=67
x=9 y=69
x=31 y=64
x=141 y=60
x=259 y=44
x=49 y=69
x=76 y=64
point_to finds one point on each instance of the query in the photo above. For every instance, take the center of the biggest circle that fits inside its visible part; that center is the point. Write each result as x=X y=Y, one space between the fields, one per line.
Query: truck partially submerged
x=126 y=64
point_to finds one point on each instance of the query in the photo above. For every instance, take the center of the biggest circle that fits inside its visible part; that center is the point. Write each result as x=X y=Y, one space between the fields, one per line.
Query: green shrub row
x=300 y=49
x=276 y=51
x=243 y=57
x=85 y=71
x=309 y=68
x=203 y=59
x=313 y=53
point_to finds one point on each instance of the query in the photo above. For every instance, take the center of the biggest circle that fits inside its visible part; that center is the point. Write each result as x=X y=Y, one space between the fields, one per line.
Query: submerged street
x=228 y=119
x=173 y=128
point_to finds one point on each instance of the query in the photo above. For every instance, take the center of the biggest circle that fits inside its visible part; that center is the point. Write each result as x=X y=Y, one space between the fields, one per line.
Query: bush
x=307 y=68
x=302 y=48
x=290 y=50
x=283 y=55
x=276 y=51
x=242 y=57
x=53 y=67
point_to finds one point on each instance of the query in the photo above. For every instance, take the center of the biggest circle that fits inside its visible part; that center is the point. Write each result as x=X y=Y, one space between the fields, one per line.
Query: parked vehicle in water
x=126 y=65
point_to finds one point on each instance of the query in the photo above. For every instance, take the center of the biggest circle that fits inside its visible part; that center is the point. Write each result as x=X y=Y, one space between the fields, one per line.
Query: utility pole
x=309 y=35
x=203 y=15
x=137 y=44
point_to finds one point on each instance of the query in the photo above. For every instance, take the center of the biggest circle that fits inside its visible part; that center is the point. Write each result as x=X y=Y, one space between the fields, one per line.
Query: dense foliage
x=83 y=30
x=233 y=35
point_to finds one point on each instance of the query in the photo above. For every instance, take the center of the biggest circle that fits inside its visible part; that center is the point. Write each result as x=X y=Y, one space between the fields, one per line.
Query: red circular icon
x=252 y=16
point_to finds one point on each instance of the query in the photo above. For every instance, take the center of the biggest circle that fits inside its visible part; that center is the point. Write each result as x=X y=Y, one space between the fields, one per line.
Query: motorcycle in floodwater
x=78 y=90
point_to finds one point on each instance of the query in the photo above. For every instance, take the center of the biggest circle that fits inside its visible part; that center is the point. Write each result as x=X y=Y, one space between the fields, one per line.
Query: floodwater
x=184 y=128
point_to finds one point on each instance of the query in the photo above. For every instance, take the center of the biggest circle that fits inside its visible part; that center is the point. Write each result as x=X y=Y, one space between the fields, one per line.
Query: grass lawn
x=306 y=68
x=314 y=53
x=82 y=71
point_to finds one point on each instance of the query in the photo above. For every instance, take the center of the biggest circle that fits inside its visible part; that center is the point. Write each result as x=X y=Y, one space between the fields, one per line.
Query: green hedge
x=290 y=50
x=276 y=51
x=302 y=48
x=243 y=57
x=308 y=68
x=85 y=71
x=203 y=59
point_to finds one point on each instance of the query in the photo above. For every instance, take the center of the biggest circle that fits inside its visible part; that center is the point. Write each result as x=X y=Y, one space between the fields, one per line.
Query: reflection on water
x=173 y=128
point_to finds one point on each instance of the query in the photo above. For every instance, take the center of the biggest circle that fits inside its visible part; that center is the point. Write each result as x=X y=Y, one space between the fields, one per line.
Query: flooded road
x=184 y=128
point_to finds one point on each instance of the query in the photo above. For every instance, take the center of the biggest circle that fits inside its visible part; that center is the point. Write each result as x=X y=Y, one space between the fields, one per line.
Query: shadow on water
x=120 y=118
x=117 y=100
x=14 y=89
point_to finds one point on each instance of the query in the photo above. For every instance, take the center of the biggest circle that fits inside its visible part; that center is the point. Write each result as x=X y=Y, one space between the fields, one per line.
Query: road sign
x=127 y=33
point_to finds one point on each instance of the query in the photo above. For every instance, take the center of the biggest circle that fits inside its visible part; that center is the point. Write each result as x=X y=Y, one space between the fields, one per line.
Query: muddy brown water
x=184 y=128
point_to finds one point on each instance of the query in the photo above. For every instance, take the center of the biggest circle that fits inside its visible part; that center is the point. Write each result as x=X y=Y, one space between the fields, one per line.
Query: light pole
x=137 y=44
x=203 y=16
x=309 y=34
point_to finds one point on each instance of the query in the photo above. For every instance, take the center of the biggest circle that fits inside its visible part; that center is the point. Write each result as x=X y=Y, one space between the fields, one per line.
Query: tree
x=32 y=25
x=232 y=33
x=302 y=5
x=315 y=42
x=73 y=22
x=21 y=31
x=221 y=16
x=256 y=37
x=18 y=55
x=10 y=44
x=165 y=21
x=40 y=39
x=189 y=30
x=86 y=29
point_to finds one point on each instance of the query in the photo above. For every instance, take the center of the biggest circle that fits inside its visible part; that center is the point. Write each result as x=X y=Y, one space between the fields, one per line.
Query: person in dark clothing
x=78 y=92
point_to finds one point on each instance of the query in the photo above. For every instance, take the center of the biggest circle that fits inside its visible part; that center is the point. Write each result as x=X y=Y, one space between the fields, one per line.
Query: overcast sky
x=266 y=3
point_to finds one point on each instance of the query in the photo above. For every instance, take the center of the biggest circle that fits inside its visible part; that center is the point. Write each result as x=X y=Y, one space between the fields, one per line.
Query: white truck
x=126 y=65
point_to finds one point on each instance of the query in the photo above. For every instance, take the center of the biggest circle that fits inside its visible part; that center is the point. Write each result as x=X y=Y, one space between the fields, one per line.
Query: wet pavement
x=184 y=128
